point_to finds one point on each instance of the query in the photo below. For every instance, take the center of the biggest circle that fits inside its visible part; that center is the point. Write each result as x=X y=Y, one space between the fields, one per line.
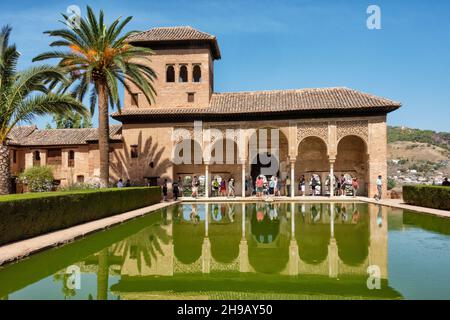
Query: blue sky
x=293 y=44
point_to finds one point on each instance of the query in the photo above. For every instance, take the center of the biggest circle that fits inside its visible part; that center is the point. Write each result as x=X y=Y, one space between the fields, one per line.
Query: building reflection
x=285 y=240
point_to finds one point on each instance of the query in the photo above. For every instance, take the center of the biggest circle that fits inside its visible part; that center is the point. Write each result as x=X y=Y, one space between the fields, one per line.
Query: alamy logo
x=73 y=17
x=374 y=280
x=374 y=20
x=213 y=146
x=73 y=280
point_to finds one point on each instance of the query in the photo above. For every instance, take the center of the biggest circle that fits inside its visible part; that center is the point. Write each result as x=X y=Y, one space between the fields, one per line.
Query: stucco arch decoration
x=312 y=129
x=359 y=128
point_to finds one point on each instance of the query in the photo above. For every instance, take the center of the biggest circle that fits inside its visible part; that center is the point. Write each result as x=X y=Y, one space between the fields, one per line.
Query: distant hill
x=440 y=139
x=417 y=156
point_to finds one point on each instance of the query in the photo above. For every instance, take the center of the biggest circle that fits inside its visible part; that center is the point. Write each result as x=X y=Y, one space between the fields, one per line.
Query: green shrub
x=28 y=215
x=38 y=179
x=437 y=197
x=390 y=184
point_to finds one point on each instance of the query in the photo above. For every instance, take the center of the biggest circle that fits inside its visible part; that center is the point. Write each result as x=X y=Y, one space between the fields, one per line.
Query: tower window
x=190 y=96
x=134 y=151
x=135 y=99
x=170 y=74
x=196 y=74
x=183 y=74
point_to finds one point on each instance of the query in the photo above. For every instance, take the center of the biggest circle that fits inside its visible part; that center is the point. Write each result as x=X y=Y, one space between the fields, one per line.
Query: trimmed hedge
x=437 y=197
x=29 y=215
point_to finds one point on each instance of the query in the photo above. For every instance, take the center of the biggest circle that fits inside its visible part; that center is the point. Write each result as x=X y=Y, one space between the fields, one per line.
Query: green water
x=247 y=251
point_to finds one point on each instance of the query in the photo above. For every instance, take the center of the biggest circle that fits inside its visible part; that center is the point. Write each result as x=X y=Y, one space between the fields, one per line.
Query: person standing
x=180 y=185
x=128 y=183
x=120 y=183
x=288 y=186
x=175 y=190
x=379 y=188
x=446 y=183
x=259 y=186
x=164 y=190
x=223 y=188
x=302 y=185
x=215 y=187
x=271 y=185
x=231 y=188
x=194 y=185
x=355 y=186
x=313 y=185
x=342 y=184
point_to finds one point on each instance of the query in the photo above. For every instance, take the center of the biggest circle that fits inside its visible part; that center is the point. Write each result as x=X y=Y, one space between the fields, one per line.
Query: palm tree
x=97 y=57
x=23 y=95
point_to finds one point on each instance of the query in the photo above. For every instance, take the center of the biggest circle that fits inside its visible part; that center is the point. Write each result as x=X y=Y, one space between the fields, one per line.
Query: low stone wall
x=29 y=215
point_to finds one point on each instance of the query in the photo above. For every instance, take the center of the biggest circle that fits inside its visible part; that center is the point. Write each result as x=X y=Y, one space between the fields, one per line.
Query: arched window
x=170 y=74
x=196 y=74
x=71 y=159
x=183 y=74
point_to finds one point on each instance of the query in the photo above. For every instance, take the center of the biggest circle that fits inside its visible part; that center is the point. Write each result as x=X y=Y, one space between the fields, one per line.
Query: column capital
x=332 y=160
x=292 y=159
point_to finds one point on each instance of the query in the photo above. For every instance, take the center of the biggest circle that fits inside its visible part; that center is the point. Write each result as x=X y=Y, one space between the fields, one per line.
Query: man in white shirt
x=379 y=187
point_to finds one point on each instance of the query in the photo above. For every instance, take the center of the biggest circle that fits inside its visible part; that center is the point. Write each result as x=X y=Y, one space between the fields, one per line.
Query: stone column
x=207 y=183
x=333 y=257
x=243 y=246
x=243 y=179
x=292 y=177
x=332 y=177
x=206 y=247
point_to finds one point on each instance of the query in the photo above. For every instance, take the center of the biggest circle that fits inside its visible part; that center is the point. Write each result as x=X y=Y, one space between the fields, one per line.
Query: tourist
x=342 y=184
x=355 y=186
x=302 y=185
x=271 y=185
x=223 y=188
x=215 y=187
x=259 y=186
x=180 y=185
x=250 y=185
x=288 y=186
x=277 y=186
x=175 y=190
x=120 y=183
x=164 y=190
x=231 y=188
x=128 y=183
x=446 y=183
x=195 y=184
x=379 y=188
x=313 y=185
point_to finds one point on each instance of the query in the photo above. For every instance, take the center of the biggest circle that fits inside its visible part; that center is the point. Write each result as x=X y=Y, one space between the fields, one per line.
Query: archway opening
x=352 y=162
x=312 y=161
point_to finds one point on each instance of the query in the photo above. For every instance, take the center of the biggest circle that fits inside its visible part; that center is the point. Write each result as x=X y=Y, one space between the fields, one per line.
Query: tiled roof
x=175 y=34
x=171 y=33
x=60 y=137
x=301 y=101
x=18 y=133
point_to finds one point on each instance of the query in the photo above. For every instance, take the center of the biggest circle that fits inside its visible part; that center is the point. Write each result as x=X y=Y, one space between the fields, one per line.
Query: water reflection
x=286 y=249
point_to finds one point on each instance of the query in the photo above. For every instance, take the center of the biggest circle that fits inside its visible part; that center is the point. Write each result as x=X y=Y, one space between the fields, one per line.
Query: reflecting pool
x=247 y=251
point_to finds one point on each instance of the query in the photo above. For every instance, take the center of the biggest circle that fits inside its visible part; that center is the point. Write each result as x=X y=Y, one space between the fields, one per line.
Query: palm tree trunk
x=103 y=134
x=5 y=174
x=102 y=275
